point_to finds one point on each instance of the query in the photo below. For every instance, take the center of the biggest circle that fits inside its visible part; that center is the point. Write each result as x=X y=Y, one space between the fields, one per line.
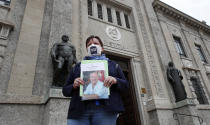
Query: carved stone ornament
x=113 y=33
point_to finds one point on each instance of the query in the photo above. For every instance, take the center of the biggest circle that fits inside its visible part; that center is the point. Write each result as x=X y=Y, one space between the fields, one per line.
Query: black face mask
x=93 y=50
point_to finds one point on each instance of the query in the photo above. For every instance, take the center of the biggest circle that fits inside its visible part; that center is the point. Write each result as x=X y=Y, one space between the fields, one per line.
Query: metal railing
x=175 y=115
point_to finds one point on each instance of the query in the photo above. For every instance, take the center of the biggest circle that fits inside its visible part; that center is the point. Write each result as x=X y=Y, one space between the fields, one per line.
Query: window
x=97 y=8
x=100 y=12
x=200 y=53
x=127 y=21
x=109 y=14
x=90 y=11
x=0 y=28
x=118 y=18
x=5 y=2
x=201 y=97
x=179 y=47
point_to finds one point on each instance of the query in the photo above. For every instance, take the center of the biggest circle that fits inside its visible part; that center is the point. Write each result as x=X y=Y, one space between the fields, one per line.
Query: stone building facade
x=146 y=34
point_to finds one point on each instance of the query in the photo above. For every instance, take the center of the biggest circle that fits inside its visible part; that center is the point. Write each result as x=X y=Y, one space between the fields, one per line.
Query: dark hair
x=91 y=37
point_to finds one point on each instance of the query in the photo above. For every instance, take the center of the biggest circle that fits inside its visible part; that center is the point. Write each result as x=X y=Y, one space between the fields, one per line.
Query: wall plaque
x=113 y=33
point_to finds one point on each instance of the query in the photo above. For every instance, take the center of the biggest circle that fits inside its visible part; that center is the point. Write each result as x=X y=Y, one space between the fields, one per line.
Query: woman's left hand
x=109 y=81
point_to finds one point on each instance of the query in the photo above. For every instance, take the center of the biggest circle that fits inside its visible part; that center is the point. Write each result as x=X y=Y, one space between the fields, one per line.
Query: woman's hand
x=109 y=81
x=77 y=82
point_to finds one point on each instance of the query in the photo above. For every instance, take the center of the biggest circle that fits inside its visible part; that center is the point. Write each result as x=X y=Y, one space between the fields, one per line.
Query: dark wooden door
x=131 y=115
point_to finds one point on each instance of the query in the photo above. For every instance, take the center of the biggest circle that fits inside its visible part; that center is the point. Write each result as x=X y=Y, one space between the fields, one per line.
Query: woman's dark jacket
x=113 y=104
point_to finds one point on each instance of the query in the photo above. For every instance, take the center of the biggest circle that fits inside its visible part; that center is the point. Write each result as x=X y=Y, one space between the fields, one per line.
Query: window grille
x=201 y=97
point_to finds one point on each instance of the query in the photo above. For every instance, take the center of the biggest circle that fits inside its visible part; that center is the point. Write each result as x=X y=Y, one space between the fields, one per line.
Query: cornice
x=6 y=22
x=5 y=7
x=160 y=6
x=119 y=4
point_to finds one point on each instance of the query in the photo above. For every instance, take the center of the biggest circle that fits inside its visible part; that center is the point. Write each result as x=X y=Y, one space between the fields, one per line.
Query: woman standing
x=95 y=112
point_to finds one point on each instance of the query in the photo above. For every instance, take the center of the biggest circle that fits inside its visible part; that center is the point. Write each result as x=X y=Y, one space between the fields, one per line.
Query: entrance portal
x=131 y=115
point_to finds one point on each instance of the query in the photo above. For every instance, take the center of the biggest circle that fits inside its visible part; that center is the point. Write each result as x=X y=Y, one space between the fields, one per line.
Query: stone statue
x=63 y=57
x=175 y=78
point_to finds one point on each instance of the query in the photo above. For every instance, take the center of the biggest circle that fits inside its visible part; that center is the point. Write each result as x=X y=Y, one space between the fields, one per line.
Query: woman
x=95 y=112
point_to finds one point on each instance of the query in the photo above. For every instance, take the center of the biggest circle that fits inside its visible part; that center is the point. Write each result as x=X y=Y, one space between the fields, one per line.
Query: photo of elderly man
x=95 y=89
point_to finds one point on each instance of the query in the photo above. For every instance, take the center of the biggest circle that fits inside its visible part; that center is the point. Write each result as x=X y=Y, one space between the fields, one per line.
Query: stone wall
x=190 y=35
x=57 y=21
x=8 y=46
x=26 y=69
x=53 y=112
x=205 y=115
x=56 y=109
x=21 y=114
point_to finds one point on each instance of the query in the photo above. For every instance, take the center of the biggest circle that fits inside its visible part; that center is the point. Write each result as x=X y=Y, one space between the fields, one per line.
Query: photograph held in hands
x=93 y=74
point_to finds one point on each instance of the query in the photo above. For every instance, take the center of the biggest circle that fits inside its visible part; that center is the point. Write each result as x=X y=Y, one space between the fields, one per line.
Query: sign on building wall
x=113 y=33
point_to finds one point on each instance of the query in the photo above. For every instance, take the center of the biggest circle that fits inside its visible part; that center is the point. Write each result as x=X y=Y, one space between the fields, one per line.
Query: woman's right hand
x=77 y=82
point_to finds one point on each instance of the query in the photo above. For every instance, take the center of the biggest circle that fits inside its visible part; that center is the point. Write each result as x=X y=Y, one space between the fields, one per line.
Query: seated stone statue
x=63 y=57
x=175 y=78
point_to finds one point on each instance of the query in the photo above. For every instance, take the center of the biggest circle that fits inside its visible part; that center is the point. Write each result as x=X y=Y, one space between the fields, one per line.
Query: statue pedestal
x=56 y=108
x=185 y=112
x=56 y=92
x=189 y=101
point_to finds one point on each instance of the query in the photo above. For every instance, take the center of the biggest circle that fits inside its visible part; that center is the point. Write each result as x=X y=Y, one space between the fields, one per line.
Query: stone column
x=123 y=19
x=155 y=57
x=84 y=26
x=56 y=108
x=95 y=10
x=7 y=38
x=23 y=69
x=136 y=66
x=105 y=17
x=206 y=66
x=114 y=16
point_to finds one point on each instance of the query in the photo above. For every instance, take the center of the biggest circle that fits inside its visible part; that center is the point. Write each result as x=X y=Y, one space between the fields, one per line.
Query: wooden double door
x=131 y=115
